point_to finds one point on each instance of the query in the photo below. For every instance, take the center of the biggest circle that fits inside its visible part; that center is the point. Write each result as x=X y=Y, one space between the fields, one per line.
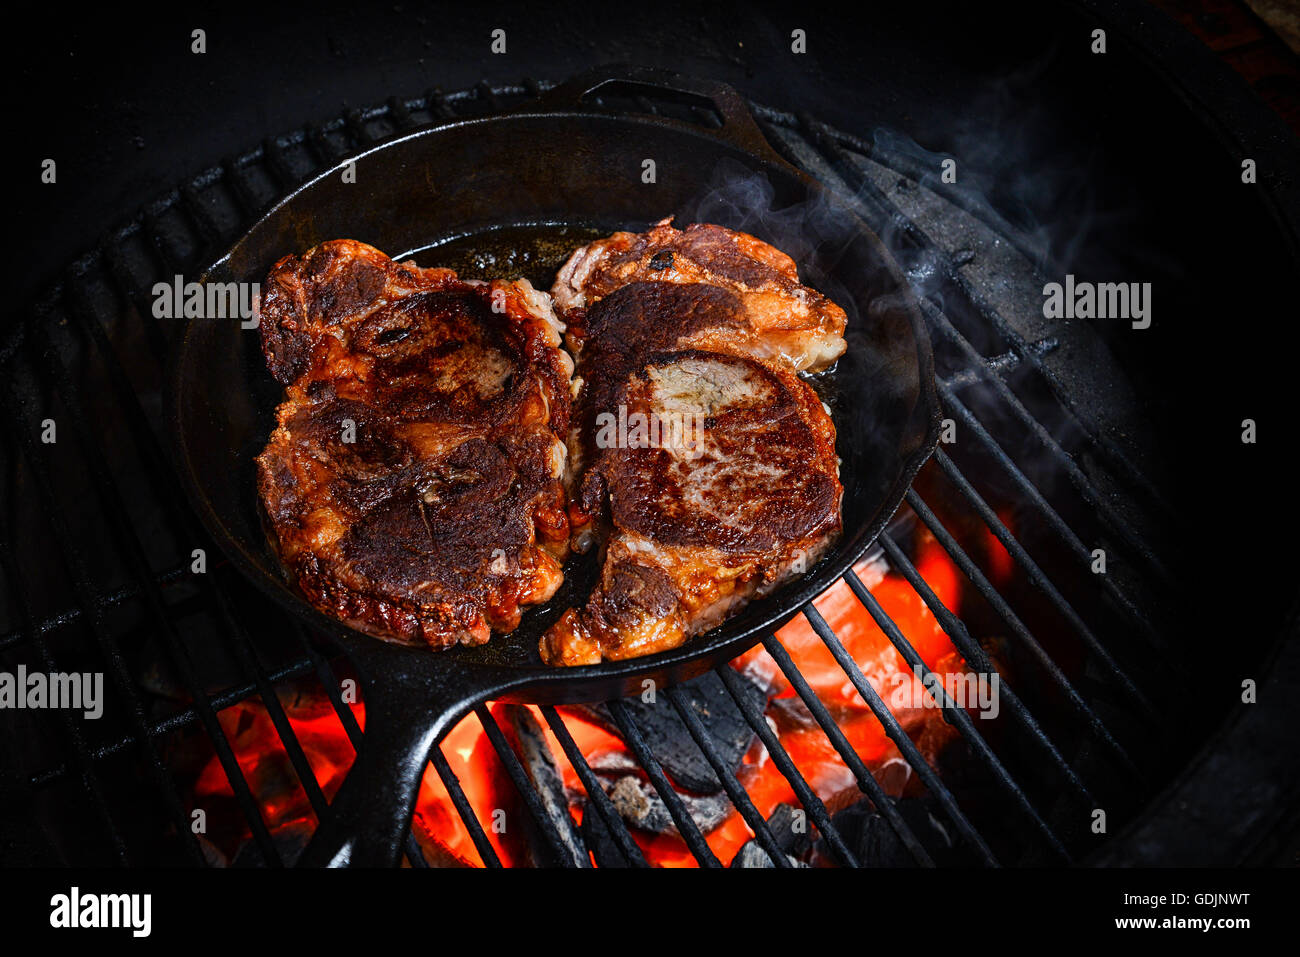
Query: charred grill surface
x=413 y=484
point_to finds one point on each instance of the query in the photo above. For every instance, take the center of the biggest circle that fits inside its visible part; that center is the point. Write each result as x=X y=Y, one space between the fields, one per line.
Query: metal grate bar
x=153 y=598
x=686 y=826
x=954 y=714
x=354 y=123
x=147 y=442
x=893 y=729
x=1013 y=622
x=239 y=188
x=486 y=851
x=85 y=596
x=596 y=795
x=739 y=796
x=820 y=136
x=484 y=93
x=705 y=118
x=171 y=262
x=89 y=780
x=532 y=802
x=90 y=604
x=129 y=288
x=829 y=142
x=812 y=804
x=70 y=615
x=438 y=106
x=92 y=609
x=400 y=114
x=181 y=719
x=277 y=163
x=975 y=656
x=329 y=681
x=160 y=474
x=322 y=147
x=241 y=645
x=1054 y=520
x=1082 y=484
x=1039 y=580
x=867 y=782
x=198 y=214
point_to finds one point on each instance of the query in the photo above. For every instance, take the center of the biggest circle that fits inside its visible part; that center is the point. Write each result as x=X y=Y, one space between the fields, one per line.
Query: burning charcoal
x=752 y=855
x=874 y=843
x=760 y=671
x=613 y=764
x=638 y=803
x=792 y=842
x=893 y=775
x=528 y=741
x=289 y=840
x=615 y=767
x=791 y=714
x=673 y=745
x=304 y=699
x=434 y=851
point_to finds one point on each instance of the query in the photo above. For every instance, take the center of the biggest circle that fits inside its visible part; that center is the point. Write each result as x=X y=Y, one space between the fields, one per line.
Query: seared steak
x=413 y=484
x=675 y=329
x=744 y=498
x=774 y=316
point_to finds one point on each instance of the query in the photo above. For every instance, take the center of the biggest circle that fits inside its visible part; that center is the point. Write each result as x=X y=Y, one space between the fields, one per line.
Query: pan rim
x=531 y=679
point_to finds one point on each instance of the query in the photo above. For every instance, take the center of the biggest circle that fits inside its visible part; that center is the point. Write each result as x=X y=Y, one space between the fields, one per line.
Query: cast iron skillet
x=559 y=161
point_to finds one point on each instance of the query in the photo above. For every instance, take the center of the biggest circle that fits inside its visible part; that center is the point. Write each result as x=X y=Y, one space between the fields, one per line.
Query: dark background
x=128 y=111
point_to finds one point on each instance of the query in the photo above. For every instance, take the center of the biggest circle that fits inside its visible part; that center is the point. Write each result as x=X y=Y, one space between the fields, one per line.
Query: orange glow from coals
x=446 y=841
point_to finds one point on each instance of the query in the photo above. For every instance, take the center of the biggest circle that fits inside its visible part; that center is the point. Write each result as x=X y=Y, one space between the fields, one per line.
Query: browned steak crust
x=708 y=323
x=413 y=484
x=774 y=316
x=700 y=528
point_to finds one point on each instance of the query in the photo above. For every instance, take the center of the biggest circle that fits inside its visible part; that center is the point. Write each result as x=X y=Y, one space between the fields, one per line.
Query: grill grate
x=92 y=357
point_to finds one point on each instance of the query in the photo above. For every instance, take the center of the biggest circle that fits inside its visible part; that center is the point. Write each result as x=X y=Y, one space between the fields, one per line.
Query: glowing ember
x=445 y=840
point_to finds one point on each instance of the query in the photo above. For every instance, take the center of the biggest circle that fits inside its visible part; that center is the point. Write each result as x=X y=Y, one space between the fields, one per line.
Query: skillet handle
x=367 y=821
x=739 y=127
